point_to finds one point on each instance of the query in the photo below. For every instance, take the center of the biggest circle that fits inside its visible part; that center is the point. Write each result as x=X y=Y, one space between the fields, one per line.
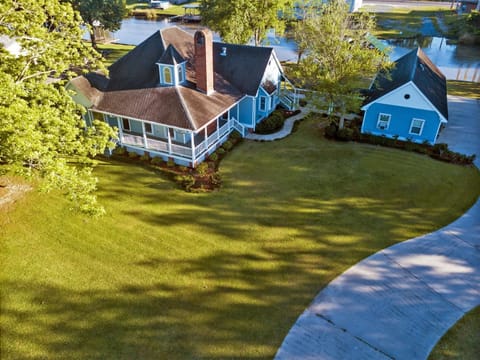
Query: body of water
x=457 y=62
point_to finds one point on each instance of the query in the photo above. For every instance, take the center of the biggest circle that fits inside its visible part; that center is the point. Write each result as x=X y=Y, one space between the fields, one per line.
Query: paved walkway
x=397 y=303
x=284 y=132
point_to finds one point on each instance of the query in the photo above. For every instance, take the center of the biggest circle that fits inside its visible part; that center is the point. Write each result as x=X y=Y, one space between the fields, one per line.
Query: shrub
x=235 y=135
x=170 y=163
x=331 y=130
x=182 y=168
x=302 y=102
x=345 y=134
x=213 y=157
x=227 y=145
x=271 y=124
x=440 y=148
x=133 y=155
x=120 y=151
x=202 y=169
x=145 y=157
x=157 y=161
x=186 y=181
x=220 y=151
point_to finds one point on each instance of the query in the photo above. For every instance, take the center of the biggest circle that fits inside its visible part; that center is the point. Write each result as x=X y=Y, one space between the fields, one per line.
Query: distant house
x=179 y=96
x=410 y=102
x=466 y=6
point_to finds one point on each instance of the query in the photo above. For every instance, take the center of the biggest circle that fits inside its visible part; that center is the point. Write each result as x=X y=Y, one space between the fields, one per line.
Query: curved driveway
x=397 y=303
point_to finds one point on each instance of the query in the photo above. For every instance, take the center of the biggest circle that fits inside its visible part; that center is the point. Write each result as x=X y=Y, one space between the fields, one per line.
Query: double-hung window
x=383 y=121
x=263 y=103
x=148 y=128
x=126 y=124
x=416 y=126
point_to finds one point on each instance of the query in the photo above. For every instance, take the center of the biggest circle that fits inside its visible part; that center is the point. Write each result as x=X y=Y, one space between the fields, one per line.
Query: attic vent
x=224 y=51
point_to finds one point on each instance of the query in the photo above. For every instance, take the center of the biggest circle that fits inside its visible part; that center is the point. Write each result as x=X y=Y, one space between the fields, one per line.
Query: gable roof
x=171 y=56
x=416 y=67
x=243 y=65
x=133 y=89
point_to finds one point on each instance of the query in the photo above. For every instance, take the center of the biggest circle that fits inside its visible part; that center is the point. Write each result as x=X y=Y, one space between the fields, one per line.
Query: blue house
x=179 y=96
x=408 y=102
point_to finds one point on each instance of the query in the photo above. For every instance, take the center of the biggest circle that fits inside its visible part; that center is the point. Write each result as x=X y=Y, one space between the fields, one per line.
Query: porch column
x=238 y=112
x=218 y=130
x=120 y=131
x=206 y=137
x=169 y=141
x=192 y=141
x=144 y=134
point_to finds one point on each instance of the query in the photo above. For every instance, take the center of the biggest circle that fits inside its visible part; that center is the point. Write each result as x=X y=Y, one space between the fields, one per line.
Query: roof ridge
x=185 y=108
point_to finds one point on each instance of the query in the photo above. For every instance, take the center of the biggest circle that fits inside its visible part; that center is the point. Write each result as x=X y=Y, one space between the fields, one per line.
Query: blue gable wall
x=247 y=108
x=400 y=122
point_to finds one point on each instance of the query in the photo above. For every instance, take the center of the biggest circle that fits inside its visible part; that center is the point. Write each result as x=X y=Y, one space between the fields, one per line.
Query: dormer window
x=167 y=75
x=171 y=67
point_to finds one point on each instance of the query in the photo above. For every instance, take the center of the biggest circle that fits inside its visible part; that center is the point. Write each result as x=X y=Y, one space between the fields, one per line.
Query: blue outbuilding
x=409 y=102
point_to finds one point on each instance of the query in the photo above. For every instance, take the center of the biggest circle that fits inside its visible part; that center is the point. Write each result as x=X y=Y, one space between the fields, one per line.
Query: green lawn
x=404 y=23
x=462 y=341
x=463 y=88
x=113 y=52
x=175 y=275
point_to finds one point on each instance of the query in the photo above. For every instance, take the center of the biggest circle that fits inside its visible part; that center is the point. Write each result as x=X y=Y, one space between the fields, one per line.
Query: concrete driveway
x=397 y=303
x=462 y=132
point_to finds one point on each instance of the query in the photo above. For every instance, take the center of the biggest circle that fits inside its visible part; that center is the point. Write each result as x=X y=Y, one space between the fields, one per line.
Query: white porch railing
x=212 y=141
x=157 y=145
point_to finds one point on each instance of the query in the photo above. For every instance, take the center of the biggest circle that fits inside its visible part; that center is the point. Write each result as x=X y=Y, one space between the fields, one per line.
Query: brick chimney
x=204 y=60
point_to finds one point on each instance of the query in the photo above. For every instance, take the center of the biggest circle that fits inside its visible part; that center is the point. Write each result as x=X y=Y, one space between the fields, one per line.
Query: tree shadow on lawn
x=241 y=308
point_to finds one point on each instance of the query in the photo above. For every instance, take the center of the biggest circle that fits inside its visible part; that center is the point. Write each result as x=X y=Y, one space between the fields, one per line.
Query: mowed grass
x=113 y=52
x=463 y=88
x=461 y=341
x=223 y=275
x=404 y=22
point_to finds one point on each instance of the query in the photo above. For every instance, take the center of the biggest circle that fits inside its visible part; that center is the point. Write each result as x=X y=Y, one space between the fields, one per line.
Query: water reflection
x=460 y=62
x=455 y=61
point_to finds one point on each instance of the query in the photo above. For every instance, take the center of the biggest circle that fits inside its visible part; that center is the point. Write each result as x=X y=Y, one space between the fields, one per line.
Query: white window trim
x=421 y=127
x=180 y=74
x=388 y=122
x=129 y=124
x=151 y=128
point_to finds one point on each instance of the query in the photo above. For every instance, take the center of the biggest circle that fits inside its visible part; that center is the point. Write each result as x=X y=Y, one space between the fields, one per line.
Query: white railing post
x=144 y=134
x=169 y=139
x=120 y=131
x=192 y=140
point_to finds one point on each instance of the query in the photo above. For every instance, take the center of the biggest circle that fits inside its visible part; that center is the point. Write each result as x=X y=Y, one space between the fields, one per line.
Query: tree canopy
x=339 y=60
x=41 y=129
x=241 y=20
x=105 y=13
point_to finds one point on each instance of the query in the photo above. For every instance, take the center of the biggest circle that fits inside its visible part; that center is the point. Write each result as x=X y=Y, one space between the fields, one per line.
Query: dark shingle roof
x=171 y=56
x=137 y=69
x=414 y=66
x=242 y=65
x=133 y=87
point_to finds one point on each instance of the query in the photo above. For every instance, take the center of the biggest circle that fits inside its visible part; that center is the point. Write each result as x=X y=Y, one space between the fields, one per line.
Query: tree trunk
x=341 y=123
x=93 y=39
x=299 y=57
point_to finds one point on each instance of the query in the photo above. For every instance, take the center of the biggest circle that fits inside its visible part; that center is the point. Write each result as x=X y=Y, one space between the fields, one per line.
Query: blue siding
x=246 y=111
x=400 y=122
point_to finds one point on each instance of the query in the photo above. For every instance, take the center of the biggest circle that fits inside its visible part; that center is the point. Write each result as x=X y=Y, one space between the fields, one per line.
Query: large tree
x=41 y=129
x=339 y=58
x=107 y=14
x=241 y=20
